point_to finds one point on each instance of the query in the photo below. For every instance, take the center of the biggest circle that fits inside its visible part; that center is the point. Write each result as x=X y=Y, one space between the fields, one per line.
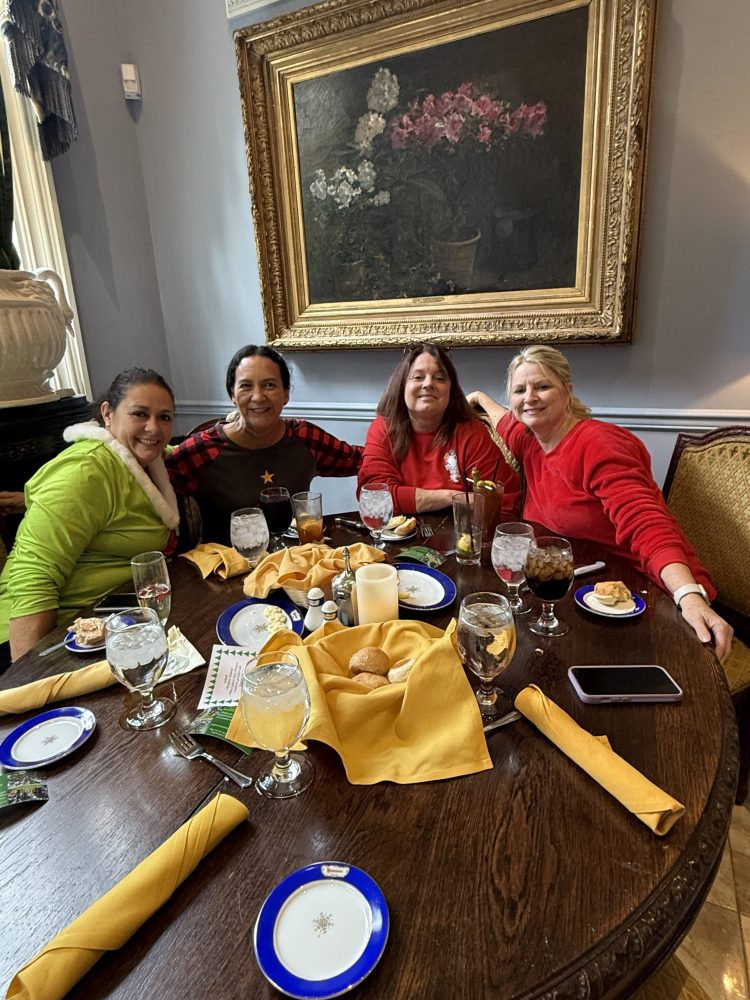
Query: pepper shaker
x=344 y=589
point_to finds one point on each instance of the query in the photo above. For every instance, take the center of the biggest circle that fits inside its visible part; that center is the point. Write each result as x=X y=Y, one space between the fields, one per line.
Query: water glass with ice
x=248 y=531
x=510 y=547
x=376 y=509
x=486 y=638
x=136 y=647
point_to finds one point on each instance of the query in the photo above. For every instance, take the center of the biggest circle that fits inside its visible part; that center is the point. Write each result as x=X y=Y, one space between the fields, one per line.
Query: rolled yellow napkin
x=425 y=728
x=111 y=920
x=640 y=796
x=305 y=566
x=220 y=559
x=59 y=687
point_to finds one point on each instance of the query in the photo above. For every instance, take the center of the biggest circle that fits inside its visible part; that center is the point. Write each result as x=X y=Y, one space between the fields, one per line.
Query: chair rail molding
x=673 y=421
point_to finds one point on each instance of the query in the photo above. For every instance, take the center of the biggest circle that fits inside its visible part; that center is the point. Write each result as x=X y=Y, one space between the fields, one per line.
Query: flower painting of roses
x=468 y=171
x=446 y=171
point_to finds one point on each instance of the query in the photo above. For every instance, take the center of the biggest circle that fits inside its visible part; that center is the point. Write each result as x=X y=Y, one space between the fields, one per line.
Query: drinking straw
x=494 y=474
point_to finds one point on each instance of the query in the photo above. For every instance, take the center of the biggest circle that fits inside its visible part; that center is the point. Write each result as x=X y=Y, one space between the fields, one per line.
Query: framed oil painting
x=467 y=172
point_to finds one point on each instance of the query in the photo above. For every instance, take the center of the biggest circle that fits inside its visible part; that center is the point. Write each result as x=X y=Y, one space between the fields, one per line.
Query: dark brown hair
x=256 y=351
x=392 y=406
x=123 y=383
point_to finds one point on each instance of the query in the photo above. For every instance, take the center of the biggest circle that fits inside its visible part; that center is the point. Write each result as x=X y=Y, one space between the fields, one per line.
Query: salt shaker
x=330 y=611
x=345 y=592
x=314 y=616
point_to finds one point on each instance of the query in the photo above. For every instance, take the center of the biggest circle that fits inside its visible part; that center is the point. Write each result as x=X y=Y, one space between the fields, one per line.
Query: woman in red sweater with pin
x=426 y=438
x=589 y=479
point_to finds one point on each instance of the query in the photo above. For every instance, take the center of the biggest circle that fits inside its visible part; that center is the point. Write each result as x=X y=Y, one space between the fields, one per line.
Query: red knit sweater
x=597 y=484
x=432 y=467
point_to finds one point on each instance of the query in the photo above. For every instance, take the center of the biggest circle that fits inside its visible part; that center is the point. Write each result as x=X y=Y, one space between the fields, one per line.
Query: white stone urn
x=33 y=327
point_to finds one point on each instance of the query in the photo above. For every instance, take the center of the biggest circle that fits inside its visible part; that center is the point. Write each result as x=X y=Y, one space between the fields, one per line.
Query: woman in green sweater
x=97 y=504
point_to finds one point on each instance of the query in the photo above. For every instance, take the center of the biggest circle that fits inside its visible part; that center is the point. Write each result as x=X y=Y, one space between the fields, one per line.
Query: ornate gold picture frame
x=468 y=172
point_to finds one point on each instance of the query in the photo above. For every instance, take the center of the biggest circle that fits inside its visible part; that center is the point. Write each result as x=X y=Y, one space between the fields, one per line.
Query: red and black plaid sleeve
x=332 y=456
x=189 y=458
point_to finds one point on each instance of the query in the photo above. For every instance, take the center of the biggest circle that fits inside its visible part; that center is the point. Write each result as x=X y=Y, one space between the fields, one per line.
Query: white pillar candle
x=377 y=593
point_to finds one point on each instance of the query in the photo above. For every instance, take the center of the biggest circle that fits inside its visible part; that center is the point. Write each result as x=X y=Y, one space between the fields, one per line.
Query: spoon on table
x=502 y=721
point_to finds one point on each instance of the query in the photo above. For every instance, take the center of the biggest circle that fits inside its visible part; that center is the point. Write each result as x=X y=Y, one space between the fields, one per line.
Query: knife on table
x=346 y=523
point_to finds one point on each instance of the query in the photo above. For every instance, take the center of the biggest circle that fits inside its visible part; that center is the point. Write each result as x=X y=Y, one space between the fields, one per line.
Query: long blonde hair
x=555 y=365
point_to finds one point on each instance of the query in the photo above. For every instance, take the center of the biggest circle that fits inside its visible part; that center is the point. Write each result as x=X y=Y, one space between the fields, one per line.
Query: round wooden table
x=527 y=880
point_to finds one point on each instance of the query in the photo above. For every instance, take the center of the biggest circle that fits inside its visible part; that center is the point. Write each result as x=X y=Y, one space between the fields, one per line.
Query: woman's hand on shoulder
x=707 y=624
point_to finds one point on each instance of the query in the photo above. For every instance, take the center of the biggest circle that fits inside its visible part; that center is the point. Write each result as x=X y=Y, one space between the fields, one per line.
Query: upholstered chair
x=708 y=490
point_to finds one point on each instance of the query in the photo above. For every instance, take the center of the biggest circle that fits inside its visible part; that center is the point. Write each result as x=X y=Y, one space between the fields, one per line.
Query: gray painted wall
x=157 y=218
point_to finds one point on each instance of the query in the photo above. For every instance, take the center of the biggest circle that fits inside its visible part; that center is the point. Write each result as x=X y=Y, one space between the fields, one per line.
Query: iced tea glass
x=549 y=574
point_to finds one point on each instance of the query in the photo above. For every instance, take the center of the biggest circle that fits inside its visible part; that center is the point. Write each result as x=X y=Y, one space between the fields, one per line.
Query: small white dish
x=393 y=536
x=585 y=598
x=321 y=931
x=75 y=647
x=46 y=738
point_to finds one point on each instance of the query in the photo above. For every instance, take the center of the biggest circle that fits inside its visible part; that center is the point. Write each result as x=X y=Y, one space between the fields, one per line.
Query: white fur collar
x=155 y=485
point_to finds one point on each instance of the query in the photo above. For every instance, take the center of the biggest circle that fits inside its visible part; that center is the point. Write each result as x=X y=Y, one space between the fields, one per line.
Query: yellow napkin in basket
x=425 y=728
x=59 y=687
x=220 y=559
x=110 y=921
x=640 y=796
x=304 y=566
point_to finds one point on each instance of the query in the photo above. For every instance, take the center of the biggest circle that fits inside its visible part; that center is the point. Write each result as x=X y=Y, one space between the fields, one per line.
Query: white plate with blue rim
x=77 y=647
x=586 y=598
x=421 y=588
x=251 y=623
x=321 y=931
x=46 y=738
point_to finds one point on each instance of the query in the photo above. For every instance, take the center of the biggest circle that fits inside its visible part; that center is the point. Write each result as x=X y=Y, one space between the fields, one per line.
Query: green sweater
x=89 y=511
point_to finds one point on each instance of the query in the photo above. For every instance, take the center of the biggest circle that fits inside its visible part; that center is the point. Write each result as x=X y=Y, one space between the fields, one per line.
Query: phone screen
x=117 y=602
x=623 y=682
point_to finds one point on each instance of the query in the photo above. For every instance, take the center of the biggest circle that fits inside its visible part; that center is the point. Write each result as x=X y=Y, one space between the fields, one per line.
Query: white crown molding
x=237 y=7
x=191 y=412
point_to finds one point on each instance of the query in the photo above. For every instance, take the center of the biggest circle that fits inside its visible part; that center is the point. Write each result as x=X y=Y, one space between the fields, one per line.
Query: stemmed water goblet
x=153 y=589
x=486 y=637
x=249 y=534
x=275 y=707
x=276 y=505
x=137 y=654
x=510 y=547
x=549 y=574
x=376 y=509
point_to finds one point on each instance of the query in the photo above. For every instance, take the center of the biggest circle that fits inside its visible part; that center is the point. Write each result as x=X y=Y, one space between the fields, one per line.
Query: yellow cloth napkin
x=425 y=728
x=640 y=796
x=59 y=687
x=304 y=566
x=220 y=559
x=110 y=921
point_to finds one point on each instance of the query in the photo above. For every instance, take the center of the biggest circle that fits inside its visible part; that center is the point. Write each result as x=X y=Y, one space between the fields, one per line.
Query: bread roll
x=370 y=680
x=395 y=522
x=401 y=670
x=369 y=659
x=89 y=631
x=611 y=592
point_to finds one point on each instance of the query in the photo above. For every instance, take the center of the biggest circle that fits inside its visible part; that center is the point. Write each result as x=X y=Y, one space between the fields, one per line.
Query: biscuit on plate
x=611 y=592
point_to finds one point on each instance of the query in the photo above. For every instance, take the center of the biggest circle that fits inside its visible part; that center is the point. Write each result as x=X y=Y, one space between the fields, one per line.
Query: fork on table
x=426 y=531
x=187 y=747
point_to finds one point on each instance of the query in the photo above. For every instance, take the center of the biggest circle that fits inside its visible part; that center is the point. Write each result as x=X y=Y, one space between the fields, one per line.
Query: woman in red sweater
x=589 y=479
x=426 y=438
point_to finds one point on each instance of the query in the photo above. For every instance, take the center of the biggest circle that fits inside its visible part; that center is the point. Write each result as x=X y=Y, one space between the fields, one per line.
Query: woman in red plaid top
x=227 y=466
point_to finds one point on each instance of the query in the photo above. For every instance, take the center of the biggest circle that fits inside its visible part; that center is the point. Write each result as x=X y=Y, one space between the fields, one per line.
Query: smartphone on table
x=117 y=602
x=600 y=684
